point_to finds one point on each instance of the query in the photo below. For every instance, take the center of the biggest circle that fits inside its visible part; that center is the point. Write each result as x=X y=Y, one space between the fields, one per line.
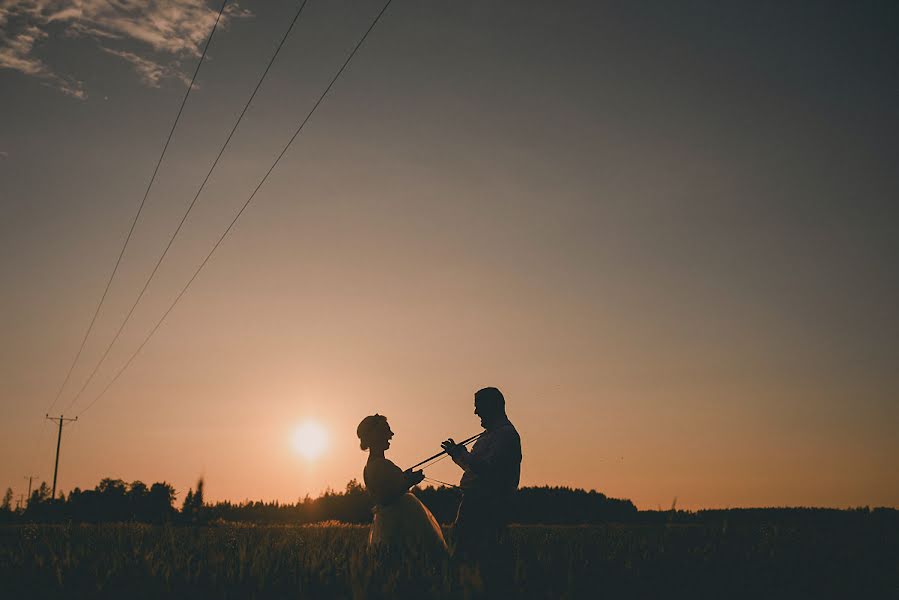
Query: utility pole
x=61 y=420
x=30 y=478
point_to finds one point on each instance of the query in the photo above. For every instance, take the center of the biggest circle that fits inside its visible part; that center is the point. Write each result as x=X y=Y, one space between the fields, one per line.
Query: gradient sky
x=667 y=231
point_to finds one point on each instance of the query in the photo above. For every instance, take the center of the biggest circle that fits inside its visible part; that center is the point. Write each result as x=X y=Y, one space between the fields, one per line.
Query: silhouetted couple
x=491 y=471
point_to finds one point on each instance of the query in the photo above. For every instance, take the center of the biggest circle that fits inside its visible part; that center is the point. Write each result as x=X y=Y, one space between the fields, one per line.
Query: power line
x=139 y=210
x=189 y=208
x=241 y=211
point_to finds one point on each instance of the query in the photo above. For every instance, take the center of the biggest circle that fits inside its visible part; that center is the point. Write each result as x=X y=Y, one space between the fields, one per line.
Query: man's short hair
x=491 y=397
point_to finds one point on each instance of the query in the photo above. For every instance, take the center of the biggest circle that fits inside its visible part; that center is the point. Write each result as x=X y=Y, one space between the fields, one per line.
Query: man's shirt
x=493 y=466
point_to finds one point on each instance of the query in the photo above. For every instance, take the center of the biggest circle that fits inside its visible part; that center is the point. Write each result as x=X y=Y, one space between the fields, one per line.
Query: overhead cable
x=240 y=212
x=189 y=208
x=140 y=209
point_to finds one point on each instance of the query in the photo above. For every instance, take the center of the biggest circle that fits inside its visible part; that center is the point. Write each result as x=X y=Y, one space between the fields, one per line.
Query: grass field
x=330 y=561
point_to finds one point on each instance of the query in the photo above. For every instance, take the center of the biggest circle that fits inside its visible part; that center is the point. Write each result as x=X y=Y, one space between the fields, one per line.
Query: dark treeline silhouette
x=114 y=500
x=773 y=516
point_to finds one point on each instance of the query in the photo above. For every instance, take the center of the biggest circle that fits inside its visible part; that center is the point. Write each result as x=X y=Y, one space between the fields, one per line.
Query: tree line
x=114 y=500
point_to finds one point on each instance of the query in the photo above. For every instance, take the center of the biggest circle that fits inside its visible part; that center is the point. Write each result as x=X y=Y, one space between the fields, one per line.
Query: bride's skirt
x=406 y=524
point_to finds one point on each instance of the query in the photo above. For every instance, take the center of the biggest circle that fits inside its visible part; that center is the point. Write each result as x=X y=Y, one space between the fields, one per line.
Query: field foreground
x=330 y=561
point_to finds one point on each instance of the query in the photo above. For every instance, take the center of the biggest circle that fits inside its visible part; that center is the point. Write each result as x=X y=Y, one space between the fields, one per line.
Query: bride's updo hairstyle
x=369 y=428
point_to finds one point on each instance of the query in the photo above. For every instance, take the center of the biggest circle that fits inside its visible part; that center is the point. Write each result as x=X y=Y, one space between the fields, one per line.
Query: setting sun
x=310 y=440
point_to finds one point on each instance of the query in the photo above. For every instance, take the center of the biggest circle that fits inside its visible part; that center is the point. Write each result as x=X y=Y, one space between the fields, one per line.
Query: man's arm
x=504 y=450
x=459 y=453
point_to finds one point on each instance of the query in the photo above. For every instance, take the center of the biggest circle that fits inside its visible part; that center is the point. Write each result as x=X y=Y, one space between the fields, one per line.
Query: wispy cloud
x=158 y=34
x=150 y=72
x=17 y=53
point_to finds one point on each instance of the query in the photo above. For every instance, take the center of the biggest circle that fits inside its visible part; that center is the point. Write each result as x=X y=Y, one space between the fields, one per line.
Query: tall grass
x=331 y=561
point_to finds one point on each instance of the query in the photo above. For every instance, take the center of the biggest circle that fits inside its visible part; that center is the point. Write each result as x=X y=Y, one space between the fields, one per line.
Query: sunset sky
x=666 y=231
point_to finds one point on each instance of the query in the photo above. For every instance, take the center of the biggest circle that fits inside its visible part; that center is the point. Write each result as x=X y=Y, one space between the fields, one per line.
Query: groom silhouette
x=491 y=471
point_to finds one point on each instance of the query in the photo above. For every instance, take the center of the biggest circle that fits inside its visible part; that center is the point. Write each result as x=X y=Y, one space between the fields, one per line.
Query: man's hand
x=414 y=477
x=453 y=449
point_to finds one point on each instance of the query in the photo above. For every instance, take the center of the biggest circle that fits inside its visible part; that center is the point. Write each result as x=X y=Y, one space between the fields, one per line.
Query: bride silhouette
x=401 y=521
